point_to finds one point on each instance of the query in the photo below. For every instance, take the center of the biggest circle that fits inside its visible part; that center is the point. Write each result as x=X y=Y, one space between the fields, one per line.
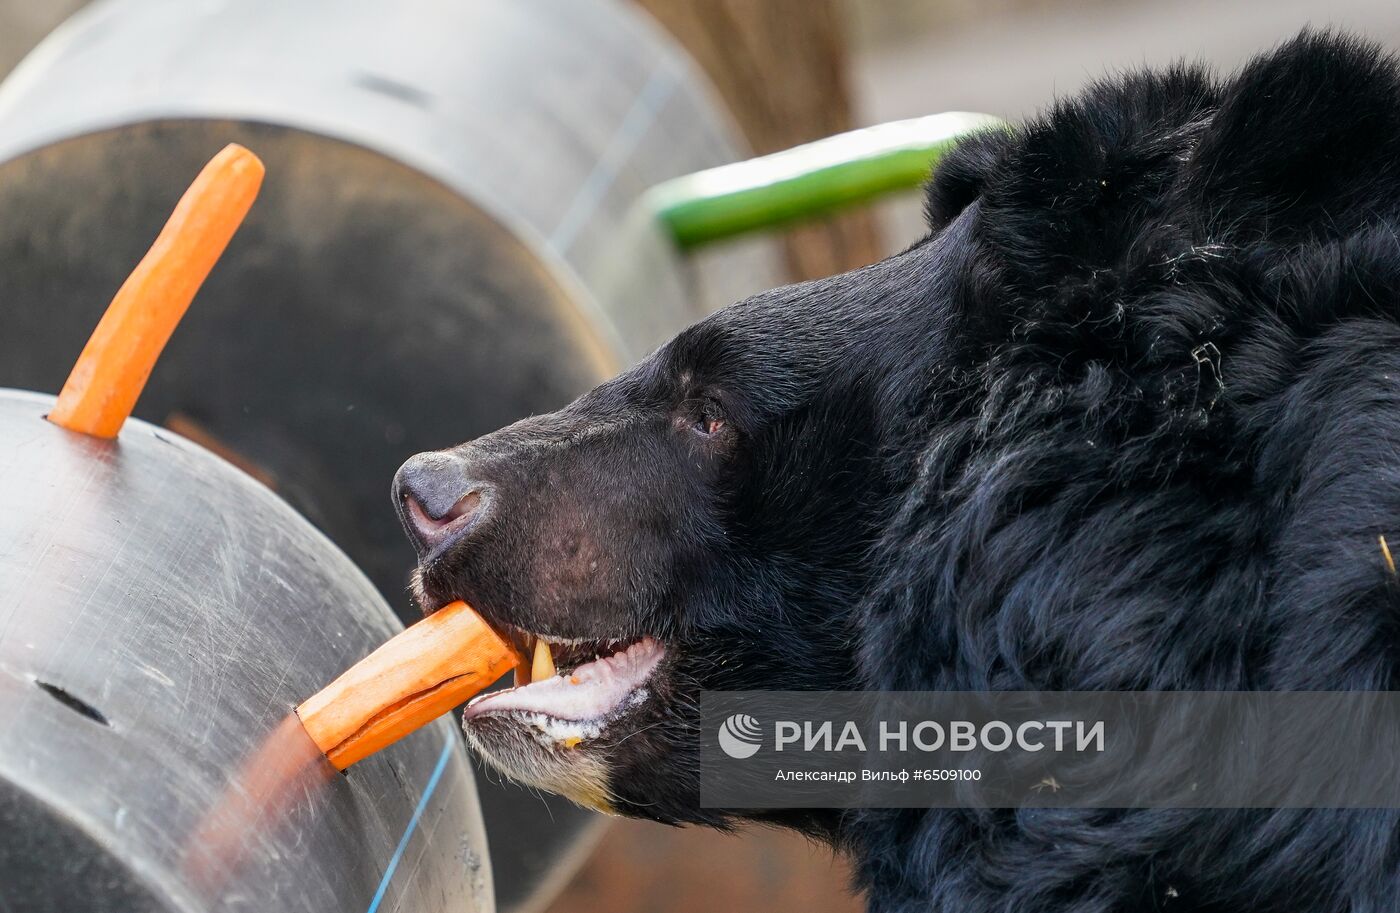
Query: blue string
x=413 y=822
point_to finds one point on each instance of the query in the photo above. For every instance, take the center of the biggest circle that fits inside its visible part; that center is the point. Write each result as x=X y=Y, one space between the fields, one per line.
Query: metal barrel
x=448 y=239
x=160 y=615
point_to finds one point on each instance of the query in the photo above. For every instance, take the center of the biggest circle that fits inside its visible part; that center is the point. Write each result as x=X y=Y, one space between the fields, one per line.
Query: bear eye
x=710 y=420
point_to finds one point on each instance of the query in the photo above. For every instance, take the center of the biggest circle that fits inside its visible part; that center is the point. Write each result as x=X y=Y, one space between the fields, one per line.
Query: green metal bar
x=807 y=181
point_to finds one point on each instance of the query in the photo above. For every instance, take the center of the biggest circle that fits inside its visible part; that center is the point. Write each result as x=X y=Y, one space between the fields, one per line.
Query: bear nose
x=437 y=502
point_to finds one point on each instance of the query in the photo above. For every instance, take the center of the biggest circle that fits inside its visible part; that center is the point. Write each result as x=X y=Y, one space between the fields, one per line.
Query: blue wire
x=413 y=823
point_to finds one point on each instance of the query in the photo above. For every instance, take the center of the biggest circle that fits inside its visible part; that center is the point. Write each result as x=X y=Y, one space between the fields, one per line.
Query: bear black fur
x=1158 y=456
x=1128 y=418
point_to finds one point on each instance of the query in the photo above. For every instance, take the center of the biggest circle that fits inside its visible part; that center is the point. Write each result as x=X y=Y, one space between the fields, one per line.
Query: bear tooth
x=543 y=665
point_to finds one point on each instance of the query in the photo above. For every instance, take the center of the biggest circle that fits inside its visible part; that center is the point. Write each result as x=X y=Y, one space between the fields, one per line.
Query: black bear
x=1128 y=418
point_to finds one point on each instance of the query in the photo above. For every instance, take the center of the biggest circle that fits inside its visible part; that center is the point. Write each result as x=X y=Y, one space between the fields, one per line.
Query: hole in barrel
x=73 y=702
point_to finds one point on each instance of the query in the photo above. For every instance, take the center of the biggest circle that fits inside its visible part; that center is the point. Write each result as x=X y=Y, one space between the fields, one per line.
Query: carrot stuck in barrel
x=112 y=370
x=414 y=678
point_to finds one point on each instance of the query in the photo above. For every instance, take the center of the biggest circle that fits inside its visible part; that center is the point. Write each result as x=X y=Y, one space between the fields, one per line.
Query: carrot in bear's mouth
x=414 y=678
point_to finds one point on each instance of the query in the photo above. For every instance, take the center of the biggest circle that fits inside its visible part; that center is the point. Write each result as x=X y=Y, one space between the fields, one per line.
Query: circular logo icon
x=740 y=736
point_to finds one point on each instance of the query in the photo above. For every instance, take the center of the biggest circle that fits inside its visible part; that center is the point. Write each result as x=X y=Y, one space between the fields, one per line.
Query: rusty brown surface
x=640 y=867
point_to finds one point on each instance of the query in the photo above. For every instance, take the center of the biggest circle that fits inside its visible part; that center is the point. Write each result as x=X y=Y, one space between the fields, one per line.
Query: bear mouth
x=574 y=687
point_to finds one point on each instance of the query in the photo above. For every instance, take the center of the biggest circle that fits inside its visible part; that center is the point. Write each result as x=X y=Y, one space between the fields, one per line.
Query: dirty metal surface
x=160 y=615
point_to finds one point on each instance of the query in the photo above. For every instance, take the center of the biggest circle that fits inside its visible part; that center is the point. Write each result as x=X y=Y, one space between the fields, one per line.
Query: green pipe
x=807 y=181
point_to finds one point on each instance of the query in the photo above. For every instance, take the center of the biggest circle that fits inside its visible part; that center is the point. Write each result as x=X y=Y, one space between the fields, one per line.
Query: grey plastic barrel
x=160 y=615
x=447 y=240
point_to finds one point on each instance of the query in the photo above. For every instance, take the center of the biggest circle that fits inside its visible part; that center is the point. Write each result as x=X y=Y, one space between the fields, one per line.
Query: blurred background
x=783 y=72
x=795 y=70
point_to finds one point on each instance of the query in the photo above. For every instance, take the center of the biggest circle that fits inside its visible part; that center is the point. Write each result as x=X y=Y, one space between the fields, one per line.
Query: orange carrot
x=108 y=377
x=411 y=680
x=261 y=794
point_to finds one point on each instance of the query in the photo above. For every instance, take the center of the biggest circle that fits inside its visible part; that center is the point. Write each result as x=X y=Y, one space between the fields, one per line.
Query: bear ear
x=962 y=175
x=1304 y=144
